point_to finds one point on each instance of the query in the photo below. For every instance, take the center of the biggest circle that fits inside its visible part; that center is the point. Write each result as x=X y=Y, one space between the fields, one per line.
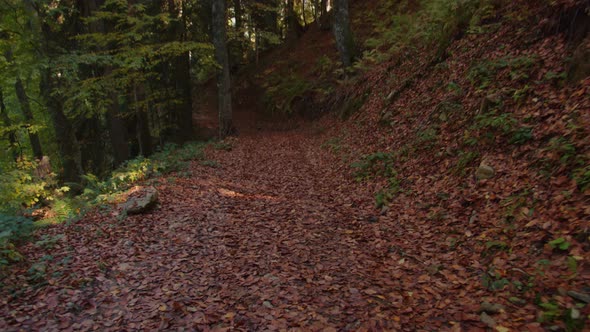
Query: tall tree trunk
x=117 y=132
x=223 y=77
x=303 y=13
x=25 y=107
x=28 y=114
x=342 y=32
x=142 y=125
x=184 y=118
x=238 y=14
x=7 y=123
x=69 y=150
x=293 y=28
x=324 y=19
x=238 y=45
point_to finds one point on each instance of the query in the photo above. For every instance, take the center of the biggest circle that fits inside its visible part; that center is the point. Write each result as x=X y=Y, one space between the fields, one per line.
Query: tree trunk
x=238 y=15
x=324 y=19
x=181 y=78
x=144 y=137
x=293 y=28
x=117 y=132
x=342 y=32
x=7 y=123
x=28 y=114
x=303 y=13
x=184 y=118
x=223 y=77
x=69 y=150
x=25 y=107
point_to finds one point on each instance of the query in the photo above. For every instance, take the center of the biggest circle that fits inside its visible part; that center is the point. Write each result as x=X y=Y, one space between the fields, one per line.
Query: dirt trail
x=273 y=238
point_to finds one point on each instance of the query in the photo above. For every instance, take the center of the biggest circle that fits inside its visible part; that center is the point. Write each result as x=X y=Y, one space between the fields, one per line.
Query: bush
x=12 y=229
x=21 y=187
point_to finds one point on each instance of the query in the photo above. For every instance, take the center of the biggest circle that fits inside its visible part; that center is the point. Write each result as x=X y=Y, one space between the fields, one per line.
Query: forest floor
x=270 y=236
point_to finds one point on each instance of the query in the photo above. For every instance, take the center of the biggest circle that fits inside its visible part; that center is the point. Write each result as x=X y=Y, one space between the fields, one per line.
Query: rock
x=579 y=296
x=140 y=201
x=491 y=308
x=580 y=64
x=489 y=102
x=484 y=171
x=486 y=319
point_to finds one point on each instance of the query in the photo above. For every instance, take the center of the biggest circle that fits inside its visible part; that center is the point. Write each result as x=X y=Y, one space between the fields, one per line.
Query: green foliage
x=12 y=229
x=171 y=158
x=379 y=164
x=426 y=139
x=494 y=281
x=559 y=243
x=502 y=122
x=223 y=146
x=436 y=22
x=324 y=66
x=466 y=158
x=281 y=91
x=21 y=186
x=482 y=73
x=582 y=177
x=521 y=135
x=564 y=148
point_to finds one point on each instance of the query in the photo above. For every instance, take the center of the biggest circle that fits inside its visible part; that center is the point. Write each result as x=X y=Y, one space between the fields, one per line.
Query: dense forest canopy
x=92 y=84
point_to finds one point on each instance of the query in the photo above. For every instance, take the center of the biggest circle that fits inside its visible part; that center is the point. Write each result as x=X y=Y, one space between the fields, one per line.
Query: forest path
x=272 y=238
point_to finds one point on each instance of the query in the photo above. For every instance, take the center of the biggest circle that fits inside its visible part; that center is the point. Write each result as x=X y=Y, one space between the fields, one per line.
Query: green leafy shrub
x=281 y=91
x=12 y=229
x=379 y=164
x=21 y=187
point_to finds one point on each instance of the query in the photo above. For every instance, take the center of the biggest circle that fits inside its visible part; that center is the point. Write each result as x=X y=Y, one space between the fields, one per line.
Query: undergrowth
x=23 y=190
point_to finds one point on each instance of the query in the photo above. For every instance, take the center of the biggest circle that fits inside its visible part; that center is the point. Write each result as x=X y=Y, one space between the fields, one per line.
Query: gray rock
x=489 y=321
x=142 y=200
x=491 y=308
x=579 y=296
x=484 y=172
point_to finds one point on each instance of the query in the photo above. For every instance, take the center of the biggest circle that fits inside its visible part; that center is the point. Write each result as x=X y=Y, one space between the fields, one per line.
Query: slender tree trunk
x=25 y=107
x=291 y=22
x=7 y=123
x=303 y=13
x=342 y=32
x=238 y=15
x=223 y=77
x=142 y=125
x=117 y=132
x=181 y=78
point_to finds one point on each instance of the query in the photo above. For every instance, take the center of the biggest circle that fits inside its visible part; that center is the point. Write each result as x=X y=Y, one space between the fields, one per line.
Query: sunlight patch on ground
x=231 y=193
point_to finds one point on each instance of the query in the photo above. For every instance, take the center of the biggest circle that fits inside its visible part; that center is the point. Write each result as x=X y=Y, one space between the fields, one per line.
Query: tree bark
x=142 y=125
x=223 y=77
x=343 y=33
x=181 y=78
x=7 y=123
x=28 y=114
x=67 y=143
x=25 y=108
x=117 y=132
x=293 y=28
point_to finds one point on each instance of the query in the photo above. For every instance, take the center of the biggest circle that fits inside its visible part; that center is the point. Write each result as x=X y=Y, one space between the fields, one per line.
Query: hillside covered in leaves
x=440 y=181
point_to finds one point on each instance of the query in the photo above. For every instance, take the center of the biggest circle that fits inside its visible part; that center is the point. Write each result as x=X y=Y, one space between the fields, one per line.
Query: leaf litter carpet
x=273 y=238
